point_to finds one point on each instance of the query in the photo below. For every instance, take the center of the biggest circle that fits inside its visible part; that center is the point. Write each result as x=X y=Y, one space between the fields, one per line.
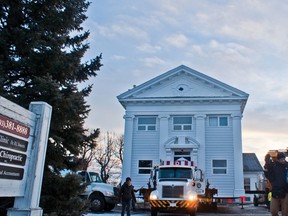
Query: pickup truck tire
x=109 y=206
x=97 y=203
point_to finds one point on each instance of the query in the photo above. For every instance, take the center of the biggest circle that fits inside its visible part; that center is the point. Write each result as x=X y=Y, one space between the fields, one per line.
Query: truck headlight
x=153 y=197
x=109 y=193
x=198 y=185
x=192 y=197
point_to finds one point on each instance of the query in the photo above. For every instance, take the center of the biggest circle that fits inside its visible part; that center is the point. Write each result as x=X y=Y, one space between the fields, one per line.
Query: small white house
x=253 y=175
x=184 y=113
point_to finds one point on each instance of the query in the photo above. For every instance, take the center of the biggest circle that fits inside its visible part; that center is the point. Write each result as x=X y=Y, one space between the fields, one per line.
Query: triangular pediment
x=182 y=83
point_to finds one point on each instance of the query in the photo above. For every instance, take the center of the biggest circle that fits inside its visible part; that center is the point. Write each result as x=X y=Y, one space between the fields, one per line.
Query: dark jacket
x=276 y=173
x=127 y=192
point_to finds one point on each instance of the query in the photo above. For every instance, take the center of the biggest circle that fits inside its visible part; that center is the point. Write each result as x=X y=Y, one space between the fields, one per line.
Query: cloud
x=153 y=61
x=177 y=40
x=149 y=48
x=128 y=30
x=118 y=57
x=120 y=29
x=232 y=52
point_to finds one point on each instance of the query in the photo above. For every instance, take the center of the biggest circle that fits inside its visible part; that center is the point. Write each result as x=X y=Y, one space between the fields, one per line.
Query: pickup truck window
x=90 y=176
x=95 y=177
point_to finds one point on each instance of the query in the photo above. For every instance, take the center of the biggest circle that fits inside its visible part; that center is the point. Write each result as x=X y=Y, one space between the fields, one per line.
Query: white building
x=184 y=113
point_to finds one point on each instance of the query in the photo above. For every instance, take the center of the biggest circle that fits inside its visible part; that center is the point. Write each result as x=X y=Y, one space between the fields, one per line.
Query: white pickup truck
x=102 y=196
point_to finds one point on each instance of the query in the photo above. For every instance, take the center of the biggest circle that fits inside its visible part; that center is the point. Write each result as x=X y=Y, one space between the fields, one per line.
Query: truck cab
x=102 y=196
x=175 y=188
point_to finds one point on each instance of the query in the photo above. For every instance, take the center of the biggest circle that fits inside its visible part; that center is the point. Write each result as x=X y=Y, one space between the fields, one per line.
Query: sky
x=241 y=43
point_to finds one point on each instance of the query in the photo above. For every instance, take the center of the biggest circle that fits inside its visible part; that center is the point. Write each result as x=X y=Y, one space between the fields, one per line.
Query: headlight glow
x=192 y=197
x=153 y=197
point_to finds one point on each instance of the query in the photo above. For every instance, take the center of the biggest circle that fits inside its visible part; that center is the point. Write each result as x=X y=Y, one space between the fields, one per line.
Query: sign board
x=23 y=144
x=14 y=127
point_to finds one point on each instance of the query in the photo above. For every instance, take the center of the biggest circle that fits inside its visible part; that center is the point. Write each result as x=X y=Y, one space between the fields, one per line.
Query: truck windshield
x=95 y=177
x=175 y=173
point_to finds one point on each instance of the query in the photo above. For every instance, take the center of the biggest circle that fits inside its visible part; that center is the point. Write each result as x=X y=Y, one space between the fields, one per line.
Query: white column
x=238 y=158
x=127 y=154
x=29 y=204
x=195 y=157
x=163 y=129
x=200 y=137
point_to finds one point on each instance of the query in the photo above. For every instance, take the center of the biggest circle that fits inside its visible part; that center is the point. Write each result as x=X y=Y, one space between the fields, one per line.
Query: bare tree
x=87 y=153
x=104 y=155
x=119 y=147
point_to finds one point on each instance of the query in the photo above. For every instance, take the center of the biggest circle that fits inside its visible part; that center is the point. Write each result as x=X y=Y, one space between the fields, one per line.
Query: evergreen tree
x=42 y=44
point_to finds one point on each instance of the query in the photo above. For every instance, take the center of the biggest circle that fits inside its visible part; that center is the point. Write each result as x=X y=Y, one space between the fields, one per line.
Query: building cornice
x=183 y=101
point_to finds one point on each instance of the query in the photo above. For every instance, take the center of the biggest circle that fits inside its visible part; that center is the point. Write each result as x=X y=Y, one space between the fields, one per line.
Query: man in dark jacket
x=276 y=173
x=127 y=195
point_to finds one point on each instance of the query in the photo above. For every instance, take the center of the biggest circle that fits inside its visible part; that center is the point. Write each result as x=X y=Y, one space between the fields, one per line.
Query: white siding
x=145 y=147
x=219 y=145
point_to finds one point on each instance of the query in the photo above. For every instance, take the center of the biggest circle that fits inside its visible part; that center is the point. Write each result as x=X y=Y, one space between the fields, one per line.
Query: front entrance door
x=182 y=154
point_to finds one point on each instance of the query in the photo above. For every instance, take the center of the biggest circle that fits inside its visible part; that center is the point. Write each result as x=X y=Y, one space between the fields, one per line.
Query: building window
x=144 y=166
x=247 y=184
x=217 y=121
x=147 y=123
x=182 y=123
x=219 y=166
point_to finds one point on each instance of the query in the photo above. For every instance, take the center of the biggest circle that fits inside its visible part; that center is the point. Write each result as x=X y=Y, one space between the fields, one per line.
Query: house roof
x=183 y=84
x=251 y=163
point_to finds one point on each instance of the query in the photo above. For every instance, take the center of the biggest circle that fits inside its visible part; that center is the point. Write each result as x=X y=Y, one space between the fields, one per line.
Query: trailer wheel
x=153 y=212
x=214 y=206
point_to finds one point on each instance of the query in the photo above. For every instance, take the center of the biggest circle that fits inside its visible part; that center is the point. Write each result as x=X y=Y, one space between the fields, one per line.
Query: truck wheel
x=153 y=212
x=192 y=212
x=255 y=201
x=109 y=206
x=97 y=203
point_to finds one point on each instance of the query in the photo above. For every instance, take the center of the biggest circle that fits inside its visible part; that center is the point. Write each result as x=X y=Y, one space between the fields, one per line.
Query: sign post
x=23 y=144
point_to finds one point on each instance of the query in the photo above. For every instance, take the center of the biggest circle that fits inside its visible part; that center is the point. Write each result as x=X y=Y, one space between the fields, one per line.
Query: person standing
x=126 y=196
x=276 y=173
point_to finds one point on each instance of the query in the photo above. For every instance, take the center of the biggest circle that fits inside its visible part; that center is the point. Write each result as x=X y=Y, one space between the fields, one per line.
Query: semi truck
x=179 y=187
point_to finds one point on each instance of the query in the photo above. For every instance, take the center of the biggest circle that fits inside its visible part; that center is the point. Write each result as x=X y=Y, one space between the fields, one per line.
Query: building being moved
x=185 y=114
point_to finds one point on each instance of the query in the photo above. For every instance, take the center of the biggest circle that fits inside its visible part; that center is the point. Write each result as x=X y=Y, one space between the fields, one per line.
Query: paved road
x=223 y=210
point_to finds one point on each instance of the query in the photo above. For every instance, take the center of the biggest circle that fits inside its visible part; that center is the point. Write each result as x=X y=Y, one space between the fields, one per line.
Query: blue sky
x=241 y=43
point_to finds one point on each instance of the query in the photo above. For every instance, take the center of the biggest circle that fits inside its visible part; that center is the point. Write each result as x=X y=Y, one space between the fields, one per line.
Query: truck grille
x=172 y=191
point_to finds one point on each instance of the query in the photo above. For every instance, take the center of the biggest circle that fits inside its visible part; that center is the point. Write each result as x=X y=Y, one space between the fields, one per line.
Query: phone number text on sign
x=14 y=127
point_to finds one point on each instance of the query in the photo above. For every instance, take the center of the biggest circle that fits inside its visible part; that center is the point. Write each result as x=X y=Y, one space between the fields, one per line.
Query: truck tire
x=192 y=212
x=97 y=203
x=255 y=201
x=109 y=206
x=153 y=212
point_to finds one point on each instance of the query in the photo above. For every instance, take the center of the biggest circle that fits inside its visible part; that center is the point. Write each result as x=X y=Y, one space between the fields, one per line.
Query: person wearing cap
x=276 y=173
x=126 y=196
